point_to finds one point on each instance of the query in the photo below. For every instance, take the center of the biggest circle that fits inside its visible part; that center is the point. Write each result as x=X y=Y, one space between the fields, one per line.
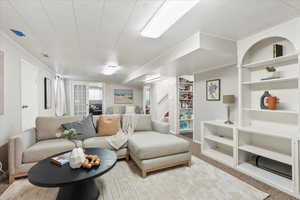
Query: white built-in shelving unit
x=218 y=141
x=185 y=115
x=269 y=133
x=273 y=134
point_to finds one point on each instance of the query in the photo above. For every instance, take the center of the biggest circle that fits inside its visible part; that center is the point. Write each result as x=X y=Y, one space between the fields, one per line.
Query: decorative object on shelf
x=262 y=100
x=123 y=96
x=277 y=50
x=186 y=104
x=272 y=73
x=187 y=87
x=91 y=161
x=47 y=93
x=272 y=166
x=77 y=156
x=186 y=115
x=272 y=102
x=213 y=90
x=186 y=96
x=228 y=100
x=183 y=125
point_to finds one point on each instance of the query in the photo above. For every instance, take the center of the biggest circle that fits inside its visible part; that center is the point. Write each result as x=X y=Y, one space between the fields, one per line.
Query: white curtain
x=60 y=97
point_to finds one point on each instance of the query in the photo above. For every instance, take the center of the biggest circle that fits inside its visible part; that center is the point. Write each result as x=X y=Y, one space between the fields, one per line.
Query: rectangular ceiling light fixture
x=166 y=16
x=152 y=78
x=110 y=69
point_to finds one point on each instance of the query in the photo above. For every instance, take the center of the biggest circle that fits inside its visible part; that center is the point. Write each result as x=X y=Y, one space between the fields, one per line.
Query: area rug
x=201 y=181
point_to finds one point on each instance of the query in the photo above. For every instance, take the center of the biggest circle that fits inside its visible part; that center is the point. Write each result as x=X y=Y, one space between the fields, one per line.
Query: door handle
x=25 y=106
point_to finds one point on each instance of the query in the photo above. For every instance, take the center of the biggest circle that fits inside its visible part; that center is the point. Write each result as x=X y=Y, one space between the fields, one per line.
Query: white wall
x=10 y=122
x=213 y=110
x=109 y=94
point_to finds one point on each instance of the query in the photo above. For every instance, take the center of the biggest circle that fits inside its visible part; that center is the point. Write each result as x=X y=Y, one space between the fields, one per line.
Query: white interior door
x=29 y=94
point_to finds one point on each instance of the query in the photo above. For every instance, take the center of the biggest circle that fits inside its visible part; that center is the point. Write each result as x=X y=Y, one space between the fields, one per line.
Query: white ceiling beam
x=191 y=51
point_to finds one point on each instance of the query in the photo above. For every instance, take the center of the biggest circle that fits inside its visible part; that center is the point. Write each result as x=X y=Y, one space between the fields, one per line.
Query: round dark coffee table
x=73 y=183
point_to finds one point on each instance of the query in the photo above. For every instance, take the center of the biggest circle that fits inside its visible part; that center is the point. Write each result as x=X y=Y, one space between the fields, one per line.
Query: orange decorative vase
x=272 y=102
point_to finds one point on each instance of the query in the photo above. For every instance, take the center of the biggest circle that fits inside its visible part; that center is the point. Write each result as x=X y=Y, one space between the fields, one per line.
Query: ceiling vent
x=18 y=33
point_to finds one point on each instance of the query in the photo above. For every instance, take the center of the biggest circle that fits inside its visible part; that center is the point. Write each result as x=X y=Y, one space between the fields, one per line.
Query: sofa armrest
x=16 y=147
x=161 y=127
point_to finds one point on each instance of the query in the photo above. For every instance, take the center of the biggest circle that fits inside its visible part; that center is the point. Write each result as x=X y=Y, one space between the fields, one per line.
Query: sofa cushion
x=129 y=109
x=143 y=123
x=147 y=145
x=46 y=148
x=85 y=128
x=98 y=142
x=108 y=126
x=47 y=127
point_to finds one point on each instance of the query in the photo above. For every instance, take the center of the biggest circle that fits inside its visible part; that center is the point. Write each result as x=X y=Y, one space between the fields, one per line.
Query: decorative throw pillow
x=85 y=128
x=108 y=126
x=130 y=109
x=143 y=123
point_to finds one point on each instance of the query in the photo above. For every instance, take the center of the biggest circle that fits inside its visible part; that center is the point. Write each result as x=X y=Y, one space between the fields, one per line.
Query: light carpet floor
x=201 y=181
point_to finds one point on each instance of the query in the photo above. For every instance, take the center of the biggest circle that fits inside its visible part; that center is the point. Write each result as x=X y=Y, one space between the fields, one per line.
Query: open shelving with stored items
x=265 y=142
x=218 y=141
x=269 y=131
x=185 y=115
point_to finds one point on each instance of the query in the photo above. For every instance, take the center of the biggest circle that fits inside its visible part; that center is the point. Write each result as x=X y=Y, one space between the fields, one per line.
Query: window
x=95 y=93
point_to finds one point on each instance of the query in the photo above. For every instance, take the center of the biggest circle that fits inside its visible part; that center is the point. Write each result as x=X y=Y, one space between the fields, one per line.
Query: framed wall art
x=123 y=96
x=213 y=90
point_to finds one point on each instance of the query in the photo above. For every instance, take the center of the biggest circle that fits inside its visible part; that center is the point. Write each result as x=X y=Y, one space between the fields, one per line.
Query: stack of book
x=61 y=159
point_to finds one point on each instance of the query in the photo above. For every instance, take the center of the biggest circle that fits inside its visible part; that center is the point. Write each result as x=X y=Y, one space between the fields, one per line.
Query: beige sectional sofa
x=151 y=147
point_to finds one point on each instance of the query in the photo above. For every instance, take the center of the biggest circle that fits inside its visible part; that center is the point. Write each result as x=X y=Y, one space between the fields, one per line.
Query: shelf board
x=271 y=61
x=268 y=154
x=220 y=157
x=219 y=139
x=186 y=119
x=185 y=83
x=186 y=108
x=273 y=133
x=279 y=80
x=267 y=177
x=272 y=111
x=220 y=123
x=185 y=91
x=185 y=130
x=185 y=99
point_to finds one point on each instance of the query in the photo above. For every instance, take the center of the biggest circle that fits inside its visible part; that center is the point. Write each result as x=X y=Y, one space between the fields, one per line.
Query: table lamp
x=228 y=99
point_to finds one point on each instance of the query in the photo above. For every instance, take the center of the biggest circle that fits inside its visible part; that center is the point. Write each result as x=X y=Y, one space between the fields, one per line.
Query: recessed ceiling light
x=18 y=33
x=110 y=69
x=166 y=16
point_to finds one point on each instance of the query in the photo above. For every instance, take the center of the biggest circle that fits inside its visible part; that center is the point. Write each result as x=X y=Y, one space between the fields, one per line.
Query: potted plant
x=77 y=156
x=272 y=73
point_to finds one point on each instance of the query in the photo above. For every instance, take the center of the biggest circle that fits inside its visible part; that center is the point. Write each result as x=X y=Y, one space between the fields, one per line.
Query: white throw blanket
x=118 y=140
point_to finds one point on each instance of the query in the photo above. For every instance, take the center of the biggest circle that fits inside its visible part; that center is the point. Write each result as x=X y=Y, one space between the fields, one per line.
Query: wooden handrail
x=163 y=99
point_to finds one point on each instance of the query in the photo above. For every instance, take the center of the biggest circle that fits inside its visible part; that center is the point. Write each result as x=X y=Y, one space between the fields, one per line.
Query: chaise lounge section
x=152 y=151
